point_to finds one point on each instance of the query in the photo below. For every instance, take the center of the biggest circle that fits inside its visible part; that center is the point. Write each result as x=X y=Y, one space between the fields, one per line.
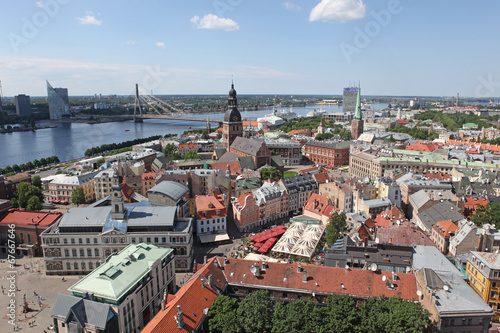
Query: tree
x=78 y=197
x=222 y=316
x=34 y=203
x=324 y=136
x=255 y=312
x=336 y=227
x=392 y=315
x=36 y=181
x=340 y=314
x=266 y=173
x=296 y=316
x=191 y=155
x=16 y=168
x=25 y=191
x=169 y=149
x=487 y=214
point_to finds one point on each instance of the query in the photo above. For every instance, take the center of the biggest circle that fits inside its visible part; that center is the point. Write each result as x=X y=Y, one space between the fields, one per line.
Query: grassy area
x=289 y=174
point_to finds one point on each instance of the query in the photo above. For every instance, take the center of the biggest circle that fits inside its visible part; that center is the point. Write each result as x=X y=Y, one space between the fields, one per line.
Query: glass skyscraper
x=58 y=102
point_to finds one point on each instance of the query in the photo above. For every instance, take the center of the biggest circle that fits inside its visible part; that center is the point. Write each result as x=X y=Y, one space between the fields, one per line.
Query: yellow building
x=483 y=270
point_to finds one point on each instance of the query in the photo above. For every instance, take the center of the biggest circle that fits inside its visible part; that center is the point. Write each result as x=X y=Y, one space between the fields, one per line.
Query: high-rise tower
x=58 y=102
x=357 y=122
x=232 y=126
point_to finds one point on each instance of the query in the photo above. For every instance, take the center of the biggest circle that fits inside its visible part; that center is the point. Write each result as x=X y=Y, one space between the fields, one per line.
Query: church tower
x=321 y=127
x=357 y=122
x=232 y=126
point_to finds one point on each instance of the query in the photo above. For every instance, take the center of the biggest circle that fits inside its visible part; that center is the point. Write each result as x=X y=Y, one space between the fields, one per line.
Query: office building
x=349 y=99
x=58 y=102
x=23 y=106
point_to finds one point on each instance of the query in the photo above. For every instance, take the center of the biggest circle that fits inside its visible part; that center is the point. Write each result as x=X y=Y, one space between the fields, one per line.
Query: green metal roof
x=248 y=184
x=121 y=273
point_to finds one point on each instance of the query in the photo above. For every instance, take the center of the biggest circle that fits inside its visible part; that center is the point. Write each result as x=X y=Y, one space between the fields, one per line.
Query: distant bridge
x=169 y=117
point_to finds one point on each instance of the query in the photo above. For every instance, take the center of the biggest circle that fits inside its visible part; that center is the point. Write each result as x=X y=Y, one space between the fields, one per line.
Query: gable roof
x=247 y=146
x=83 y=310
x=440 y=212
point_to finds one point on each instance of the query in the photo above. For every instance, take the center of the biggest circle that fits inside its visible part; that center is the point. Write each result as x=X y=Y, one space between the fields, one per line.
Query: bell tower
x=232 y=126
x=118 y=210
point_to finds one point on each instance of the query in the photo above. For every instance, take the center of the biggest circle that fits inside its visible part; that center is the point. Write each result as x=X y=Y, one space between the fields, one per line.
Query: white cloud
x=39 y=4
x=131 y=42
x=292 y=6
x=160 y=44
x=339 y=10
x=89 y=19
x=211 y=21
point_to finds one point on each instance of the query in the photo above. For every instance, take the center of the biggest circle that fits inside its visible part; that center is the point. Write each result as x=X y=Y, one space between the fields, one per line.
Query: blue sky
x=393 y=47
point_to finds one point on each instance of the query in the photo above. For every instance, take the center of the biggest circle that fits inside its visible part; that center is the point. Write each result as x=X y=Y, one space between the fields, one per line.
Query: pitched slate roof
x=247 y=146
x=84 y=310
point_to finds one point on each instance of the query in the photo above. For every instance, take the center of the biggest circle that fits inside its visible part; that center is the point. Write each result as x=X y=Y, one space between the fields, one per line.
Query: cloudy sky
x=394 y=47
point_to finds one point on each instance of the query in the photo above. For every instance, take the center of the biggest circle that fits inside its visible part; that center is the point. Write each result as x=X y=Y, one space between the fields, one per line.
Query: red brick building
x=28 y=225
x=256 y=149
x=328 y=153
x=8 y=185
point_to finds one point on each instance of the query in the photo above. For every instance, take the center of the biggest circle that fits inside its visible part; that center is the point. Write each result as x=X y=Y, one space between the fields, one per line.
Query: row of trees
x=415 y=132
x=452 y=121
x=257 y=313
x=28 y=195
x=30 y=165
x=115 y=146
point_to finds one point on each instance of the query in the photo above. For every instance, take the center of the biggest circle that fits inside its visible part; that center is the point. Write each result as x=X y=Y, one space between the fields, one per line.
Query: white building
x=104 y=181
x=85 y=237
x=211 y=218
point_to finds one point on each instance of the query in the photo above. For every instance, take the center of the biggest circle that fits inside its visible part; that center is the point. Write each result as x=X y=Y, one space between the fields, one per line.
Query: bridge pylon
x=137 y=105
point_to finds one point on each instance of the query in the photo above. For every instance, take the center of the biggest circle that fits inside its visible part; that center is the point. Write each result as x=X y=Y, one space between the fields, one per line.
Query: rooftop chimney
x=210 y=280
x=178 y=318
x=299 y=268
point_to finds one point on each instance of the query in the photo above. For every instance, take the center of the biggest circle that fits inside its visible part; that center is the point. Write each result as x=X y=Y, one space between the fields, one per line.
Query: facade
x=374 y=207
x=232 y=126
x=272 y=199
x=211 y=215
x=246 y=212
x=104 y=182
x=28 y=226
x=441 y=233
x=8 y=185
x=246 y=185
x=483 y=270
x=23 y=105
x=148 y=181
x=61 y=187
x=298 y=188
x=75 y=314
x=85 y=237
x=133 y=282
x=58 y=102
x=257 y=150
x=338 y=117
x=328 y=153
x=290 y=151
x=341 y=195
x=412 y=185
x=318 y=207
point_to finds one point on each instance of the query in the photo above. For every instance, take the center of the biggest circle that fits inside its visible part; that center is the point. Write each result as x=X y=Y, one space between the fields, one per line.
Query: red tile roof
x=484 y=146
x=320 y=279
x=446 y=228
x=251 y=123
x=234 y=167
x=405 y=234
x=18 y=177
x=190 y=145
x=127 y=191
x=316 y=203
x=438 y=175
x=300 y=132
x=321 y=178
x=210 y=204
x=148 y=175
x=473 y=203
x=21 y=217
x=194 y=297
x=423 y=146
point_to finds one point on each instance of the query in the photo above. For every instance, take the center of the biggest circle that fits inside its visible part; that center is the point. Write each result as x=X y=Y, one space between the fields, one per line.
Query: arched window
x=91 y=265
x=56 y=253
x=51 y=266
x=83 y=266
x=75 y=265
x=107 y=252
x=96 y=252
x=117 y=208
x=49 y=253
x=29 y=238
x=82 y=253
x=183 y=252
x=22 y=237
x=58 y=266
x=68 y=266
x=73 y=252
x=89 y=253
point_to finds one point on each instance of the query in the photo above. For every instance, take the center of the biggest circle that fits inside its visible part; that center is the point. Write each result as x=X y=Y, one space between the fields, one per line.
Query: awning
x=211 y=238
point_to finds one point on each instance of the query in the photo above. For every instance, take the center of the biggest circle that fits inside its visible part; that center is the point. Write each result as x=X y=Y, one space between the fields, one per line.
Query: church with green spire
x=357 y=122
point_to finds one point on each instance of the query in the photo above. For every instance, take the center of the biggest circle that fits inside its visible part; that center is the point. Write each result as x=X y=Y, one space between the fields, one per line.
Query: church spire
x=357 y=113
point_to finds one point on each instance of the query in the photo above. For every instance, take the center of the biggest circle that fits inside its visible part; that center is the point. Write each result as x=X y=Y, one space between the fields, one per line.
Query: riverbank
x=25 y=129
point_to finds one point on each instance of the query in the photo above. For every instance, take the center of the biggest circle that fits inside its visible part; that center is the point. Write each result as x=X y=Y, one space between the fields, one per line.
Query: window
x=107 y=252
x=75 y=265
x=29 y=238
x=122 y=240
x=72 y=241
x=80 y=241
x=89 y=252
x=22 y=237
x=133 y=240
x=66 y=252
x=163 y=239
x=452 y=322
x=493 y=285
x=95 y=240
x=83 y=266
x=96 y=252
x=65 y=241
x=82 y=253
x=148 y=240
x=68 y=266
x=91 y=266
x=114 y=240
x=156 y=240
x=73 y=252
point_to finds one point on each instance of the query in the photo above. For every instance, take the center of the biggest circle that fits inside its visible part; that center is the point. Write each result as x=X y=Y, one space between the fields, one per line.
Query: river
x=70 y=140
